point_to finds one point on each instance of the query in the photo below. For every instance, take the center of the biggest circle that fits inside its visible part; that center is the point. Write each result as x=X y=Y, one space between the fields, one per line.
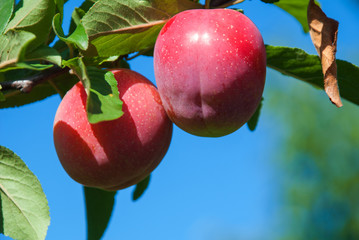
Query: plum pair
x=210 y=68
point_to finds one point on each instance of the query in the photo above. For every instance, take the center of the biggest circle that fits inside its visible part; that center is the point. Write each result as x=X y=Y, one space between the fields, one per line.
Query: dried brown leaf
x=324 y=31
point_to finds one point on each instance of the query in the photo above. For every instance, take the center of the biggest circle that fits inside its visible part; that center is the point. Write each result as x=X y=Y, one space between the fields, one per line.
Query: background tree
x=320 y=167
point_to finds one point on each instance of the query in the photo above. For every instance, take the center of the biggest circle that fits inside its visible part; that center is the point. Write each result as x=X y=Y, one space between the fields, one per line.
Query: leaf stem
x=71 y=50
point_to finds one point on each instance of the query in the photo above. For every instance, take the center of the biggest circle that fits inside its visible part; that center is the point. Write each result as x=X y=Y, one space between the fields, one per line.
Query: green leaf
x=130 y=26
x=24 y=65
x=103 y=101
x=63 y=49
x=119 y=14
x=141 y=188
x=253 y=122
x=24 y=211
x=148 y=53
x=13 y=46
x=87 y=4
x=298 y=9
x=14 y=54
x=109 y=62
x=78 y=37
x=59 y=10
x=96 y=61
x=76 y=17
x=63 y=82
x=46 y=53
x=60 y=6
x=125 y=43
x=34 y=16
x=120 y=63
x=80 y=70
x=6 y=9
x=99 y=206
x=78 y=13
x=296 y=63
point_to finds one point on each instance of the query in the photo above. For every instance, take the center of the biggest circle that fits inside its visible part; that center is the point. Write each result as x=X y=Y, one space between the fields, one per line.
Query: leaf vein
x=18 y=207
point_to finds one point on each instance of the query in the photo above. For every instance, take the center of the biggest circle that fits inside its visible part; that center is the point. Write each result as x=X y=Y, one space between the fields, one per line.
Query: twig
x=207 y=4
x=26 y=85
x=228 y=4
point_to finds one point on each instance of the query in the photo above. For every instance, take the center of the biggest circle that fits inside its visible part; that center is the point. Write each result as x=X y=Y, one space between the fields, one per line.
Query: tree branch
x=26 y=85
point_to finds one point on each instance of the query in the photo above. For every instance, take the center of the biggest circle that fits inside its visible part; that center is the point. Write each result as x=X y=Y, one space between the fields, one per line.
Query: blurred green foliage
x=319 y=159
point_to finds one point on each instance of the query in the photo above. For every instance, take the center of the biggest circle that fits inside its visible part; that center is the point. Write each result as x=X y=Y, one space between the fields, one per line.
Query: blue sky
x=205 y=188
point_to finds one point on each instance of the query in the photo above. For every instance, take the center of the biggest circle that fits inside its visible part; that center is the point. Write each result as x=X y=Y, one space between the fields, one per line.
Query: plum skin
x=115 y=154
x=210 y=68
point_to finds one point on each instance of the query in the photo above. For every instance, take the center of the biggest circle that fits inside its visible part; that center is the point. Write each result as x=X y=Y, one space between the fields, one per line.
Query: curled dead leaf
x=324 y=31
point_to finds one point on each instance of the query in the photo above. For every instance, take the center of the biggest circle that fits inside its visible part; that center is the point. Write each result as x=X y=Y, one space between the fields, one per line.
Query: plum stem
x=228 y=4
x=207 y=4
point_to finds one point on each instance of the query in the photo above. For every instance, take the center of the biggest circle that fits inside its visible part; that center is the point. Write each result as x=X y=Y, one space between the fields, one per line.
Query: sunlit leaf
x=30 y=66
x=34 y=16
x=76 y=17
x=130 y=25
x=296 y=8
x=24 y=211
x=78 y=37
x=6 y=8
x=13 y=46
x=103 y=101
x=125 y=43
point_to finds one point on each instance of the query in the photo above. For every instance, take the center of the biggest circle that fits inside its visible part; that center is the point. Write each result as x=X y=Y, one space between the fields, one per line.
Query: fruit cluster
x=210 y=68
